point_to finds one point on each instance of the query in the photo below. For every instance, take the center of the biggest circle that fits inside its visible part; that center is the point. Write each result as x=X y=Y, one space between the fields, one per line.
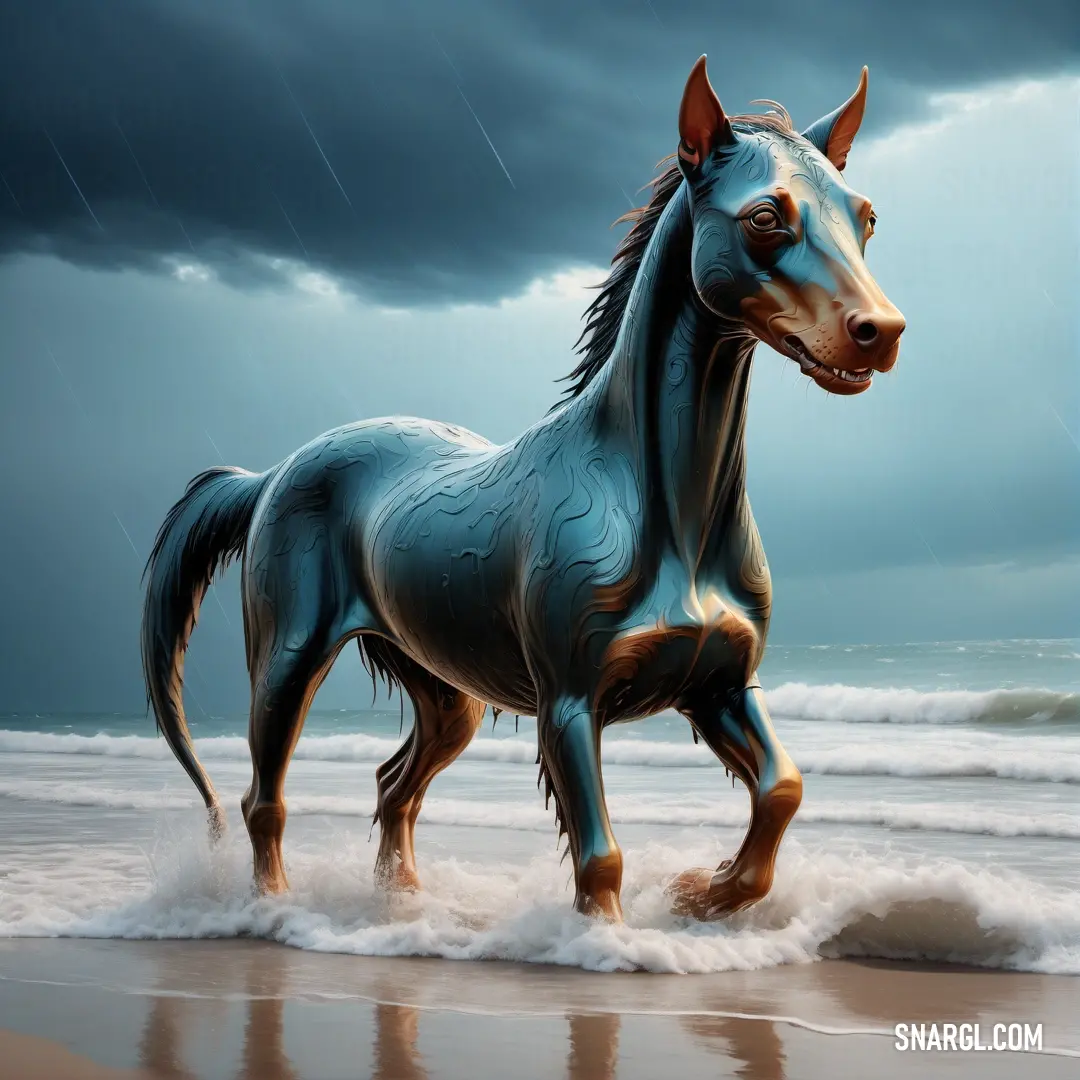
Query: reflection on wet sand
x=246 y=1010
x=396 y=1055
x=916 y=992
x=263 y=1055
x=594 y=1047
x=755 y=1044
x=844 y=994
x=160 y=1047
x=169 y=1032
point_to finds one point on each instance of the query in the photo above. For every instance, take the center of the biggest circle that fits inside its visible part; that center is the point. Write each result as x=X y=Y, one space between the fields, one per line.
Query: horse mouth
x=825 y=374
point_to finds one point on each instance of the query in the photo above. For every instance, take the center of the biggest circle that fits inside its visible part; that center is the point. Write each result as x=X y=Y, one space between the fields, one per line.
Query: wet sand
x=249 y=1010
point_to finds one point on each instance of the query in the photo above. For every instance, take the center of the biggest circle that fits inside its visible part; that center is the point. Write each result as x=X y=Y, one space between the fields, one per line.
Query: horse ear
x=703 y=124
x=834 y=134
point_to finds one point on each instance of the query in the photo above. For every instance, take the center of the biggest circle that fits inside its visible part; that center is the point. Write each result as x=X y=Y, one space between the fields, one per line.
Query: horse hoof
x=704 y=894
x=216 y=823
x=604 y=906
x=400 y=879
x=689 y=892
x=271 y=885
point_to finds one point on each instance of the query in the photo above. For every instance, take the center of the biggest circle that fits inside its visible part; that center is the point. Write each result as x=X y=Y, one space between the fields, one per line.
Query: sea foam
x=822 y=905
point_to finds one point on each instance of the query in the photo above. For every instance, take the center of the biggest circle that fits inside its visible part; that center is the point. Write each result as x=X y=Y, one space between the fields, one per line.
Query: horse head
x=780 y=238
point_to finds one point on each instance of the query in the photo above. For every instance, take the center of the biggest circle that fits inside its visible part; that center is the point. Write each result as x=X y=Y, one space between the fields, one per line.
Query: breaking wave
x=868 y=705
x=822 y=905
x=1000 y=758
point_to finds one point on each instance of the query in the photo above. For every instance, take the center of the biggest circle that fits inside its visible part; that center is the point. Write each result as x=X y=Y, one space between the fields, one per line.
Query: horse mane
x=604 y=315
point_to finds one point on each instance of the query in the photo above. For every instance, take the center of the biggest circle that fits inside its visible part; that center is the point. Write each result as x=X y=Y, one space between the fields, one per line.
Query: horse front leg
x=738 y=730
x=570 y=757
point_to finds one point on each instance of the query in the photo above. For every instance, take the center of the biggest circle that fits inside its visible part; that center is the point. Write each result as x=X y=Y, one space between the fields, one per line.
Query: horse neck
x=674 y=394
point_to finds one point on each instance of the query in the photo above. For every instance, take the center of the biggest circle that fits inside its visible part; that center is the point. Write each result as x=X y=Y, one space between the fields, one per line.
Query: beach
x=244 y=1009
x=930 y=877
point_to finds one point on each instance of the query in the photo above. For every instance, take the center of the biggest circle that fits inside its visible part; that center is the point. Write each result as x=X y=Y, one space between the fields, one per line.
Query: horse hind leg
x=446 y=719
x=292 y=643
x=284 y=688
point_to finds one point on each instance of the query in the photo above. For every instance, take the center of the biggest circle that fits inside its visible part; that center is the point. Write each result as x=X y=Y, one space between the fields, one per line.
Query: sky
x=227 y=227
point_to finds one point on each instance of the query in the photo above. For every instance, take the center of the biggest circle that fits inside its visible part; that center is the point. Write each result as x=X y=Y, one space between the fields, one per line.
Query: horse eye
x=764 y=219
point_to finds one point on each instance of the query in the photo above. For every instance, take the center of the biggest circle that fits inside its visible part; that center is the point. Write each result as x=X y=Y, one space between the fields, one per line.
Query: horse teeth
x=808 y=364
x=847 y=376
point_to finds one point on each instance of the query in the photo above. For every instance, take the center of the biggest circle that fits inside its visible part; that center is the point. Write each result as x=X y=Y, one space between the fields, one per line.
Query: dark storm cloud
x=424 y=150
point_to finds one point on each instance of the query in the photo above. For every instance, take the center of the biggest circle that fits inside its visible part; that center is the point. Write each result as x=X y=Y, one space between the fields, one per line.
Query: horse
x=601 y=567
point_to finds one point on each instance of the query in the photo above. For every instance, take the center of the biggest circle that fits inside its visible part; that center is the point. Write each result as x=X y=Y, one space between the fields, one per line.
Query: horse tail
x=201 y=534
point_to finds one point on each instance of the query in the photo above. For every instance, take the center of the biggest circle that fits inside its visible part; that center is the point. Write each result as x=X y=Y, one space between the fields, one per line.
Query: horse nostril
x=863 y=329
x=876 y=332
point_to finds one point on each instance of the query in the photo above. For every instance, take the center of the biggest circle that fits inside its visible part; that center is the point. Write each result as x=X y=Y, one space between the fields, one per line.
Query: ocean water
x=941 y=820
